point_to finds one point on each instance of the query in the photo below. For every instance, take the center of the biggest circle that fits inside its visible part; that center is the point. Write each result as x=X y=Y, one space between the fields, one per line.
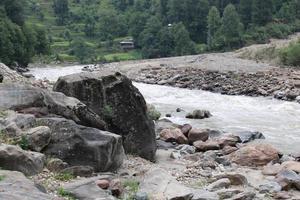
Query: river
x=278 y=120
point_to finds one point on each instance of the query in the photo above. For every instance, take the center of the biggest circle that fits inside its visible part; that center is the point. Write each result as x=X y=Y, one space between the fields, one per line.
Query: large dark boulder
x=121 y=105
x=83 y=146
x=31 y=100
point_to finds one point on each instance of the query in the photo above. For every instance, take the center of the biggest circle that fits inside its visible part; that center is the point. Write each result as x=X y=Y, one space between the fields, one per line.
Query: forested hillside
x=91 y=30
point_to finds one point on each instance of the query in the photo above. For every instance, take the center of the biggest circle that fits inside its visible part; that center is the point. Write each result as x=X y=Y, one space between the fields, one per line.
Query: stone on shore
x=173 y=135
x=199 y=114
x=198 y=134
x=121 y=105
x=254 y=155
x=206 y=146
x=16 y=159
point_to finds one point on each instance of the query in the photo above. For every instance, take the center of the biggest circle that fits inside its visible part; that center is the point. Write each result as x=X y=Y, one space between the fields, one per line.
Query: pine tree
x=183 y=43
x=213 y=25
x=245 y=10
x=231 y=27
x=262 y=11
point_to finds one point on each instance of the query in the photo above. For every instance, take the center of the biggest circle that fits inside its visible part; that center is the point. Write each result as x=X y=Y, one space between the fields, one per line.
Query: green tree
x=149 y=38
x=166 y=42
x=14 y=11
x=6 y=46
x=61 y=10
x=81 y=50
x=262 y=11
x=183 y=43
x=245 y=11
x=231 y=27
x=213 y=26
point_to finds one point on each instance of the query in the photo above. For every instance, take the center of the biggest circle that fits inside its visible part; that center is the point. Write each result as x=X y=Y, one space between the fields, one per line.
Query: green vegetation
x=291 y=55
x=23 y=142
x=90 y=31
x=19 y=41
x=61 y=192
x=2 y=177
x=131 y=186
x=64 y=176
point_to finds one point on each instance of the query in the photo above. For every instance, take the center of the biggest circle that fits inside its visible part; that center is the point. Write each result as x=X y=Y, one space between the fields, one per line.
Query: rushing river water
x=278 y=120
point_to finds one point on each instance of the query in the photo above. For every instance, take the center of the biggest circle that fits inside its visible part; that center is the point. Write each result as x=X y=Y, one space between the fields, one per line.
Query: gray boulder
x=248 y=136
x=80 y=146
x=38 y=137
x=16 y=159
x=199 y=114
x=121 y=105
x=15 y=186
x=23 y=98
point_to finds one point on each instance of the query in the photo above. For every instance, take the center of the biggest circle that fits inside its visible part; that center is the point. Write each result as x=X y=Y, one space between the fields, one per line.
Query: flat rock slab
x=159 y=185
x=15 y=186
x=87 y=189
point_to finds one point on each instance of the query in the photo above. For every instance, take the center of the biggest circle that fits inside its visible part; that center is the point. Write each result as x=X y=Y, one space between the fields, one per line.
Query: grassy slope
x=61 y=46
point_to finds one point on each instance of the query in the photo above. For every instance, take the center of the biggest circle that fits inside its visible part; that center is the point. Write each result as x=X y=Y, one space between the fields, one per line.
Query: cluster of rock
x=231 y=83
x=83 y=137
x=228 y=166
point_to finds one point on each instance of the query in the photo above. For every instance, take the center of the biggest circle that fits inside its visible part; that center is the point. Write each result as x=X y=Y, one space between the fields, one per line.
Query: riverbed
x=278 y=120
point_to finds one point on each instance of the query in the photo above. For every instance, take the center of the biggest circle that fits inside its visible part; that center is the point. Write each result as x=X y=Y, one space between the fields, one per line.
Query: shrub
x=291 y=55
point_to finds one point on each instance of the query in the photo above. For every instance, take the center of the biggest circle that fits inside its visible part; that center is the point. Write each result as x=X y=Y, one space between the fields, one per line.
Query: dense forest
x=91 y=30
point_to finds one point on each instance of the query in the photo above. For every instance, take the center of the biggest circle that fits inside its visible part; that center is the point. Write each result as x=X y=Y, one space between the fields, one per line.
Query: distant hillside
x=89 y=31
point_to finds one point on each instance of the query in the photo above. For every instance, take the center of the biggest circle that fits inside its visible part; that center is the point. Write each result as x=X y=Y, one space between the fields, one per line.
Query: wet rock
x=288 y=179
x=87 y=189
x=82 y=171
x=103 y=184
x=254 y=155
x=173 y=135
x=16 y=159
x=38 y=138
x=168 y=115
x=219 y=184
x=269 y=187
x=199 y=114
x=152 y=112
x=80 y=146
x=248 y=136
x=185 y=129
x=298 y=99
x=206 y=146
x=15 y=186
x=121 y=105
x=1 y=78
x=179 y=109
x=56 y=165
x=198 y=134
x=235 y=178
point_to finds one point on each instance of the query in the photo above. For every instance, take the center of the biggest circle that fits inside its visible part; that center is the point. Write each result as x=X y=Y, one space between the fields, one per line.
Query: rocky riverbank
x=93 y=138
x=279 y=83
